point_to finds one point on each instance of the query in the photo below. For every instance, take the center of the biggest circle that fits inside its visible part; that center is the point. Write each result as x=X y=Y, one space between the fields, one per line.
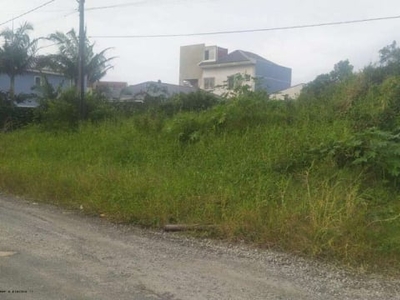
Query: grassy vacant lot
x=306 y=177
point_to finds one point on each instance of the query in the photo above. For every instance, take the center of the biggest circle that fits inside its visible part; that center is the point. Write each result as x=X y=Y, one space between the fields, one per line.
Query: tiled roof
x=257 y=57
x=237 y=56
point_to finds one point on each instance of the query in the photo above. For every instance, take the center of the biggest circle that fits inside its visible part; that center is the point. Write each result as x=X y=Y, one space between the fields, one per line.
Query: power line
x=115 y=5
x=43 y=11
x=48 y=46
x=247 y=30
x=28 y=12
x=127 y=4
x=70 y=13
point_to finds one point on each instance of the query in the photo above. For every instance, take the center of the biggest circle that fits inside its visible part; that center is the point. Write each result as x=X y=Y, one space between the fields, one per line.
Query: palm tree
x=18 y=53
x=66 y=61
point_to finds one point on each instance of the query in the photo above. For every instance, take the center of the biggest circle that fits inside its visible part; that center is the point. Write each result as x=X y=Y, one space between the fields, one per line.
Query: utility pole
x=81 y=72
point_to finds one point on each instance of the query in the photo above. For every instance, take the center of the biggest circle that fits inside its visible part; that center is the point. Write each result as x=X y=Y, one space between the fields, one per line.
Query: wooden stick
x=186 y=227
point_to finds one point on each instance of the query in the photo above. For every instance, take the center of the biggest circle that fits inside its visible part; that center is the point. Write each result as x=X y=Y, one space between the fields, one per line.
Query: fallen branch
x=186 y=227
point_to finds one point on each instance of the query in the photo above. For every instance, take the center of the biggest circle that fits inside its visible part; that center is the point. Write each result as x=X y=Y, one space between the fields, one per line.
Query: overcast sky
x=308 y=52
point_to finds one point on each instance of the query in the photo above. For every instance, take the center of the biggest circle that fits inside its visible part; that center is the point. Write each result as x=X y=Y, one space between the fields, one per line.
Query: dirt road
x=47 y=253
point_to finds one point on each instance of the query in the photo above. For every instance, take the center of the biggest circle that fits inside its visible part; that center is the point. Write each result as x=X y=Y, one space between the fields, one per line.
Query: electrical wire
x=137 y=3
x=42 y=11
x=28 y=12
x=115 y=6
x=48 y=46
x=246 y=30
x=70 y=13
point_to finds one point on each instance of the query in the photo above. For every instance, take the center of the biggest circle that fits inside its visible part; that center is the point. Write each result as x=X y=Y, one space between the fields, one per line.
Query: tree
x=323 y=85
x=18 y=53
x=342 y=71
x=389 y=55
x=66 y=61
x=389 y=59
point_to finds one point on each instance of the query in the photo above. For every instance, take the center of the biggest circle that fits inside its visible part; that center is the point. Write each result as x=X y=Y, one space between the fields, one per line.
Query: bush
x=236 y=115
x=11 y=116
x=63 y=113
x=378 y=152
x=197 y=101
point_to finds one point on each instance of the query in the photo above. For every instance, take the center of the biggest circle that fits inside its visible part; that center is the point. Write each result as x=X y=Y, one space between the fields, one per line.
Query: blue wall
x=272 y=77
x=25 y=82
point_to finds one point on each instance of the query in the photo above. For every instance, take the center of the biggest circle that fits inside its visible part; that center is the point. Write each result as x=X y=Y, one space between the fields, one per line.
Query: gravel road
x=47 y=253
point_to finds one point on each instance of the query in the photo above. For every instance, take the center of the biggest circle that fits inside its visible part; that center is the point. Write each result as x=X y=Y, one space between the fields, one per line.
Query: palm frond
x=67 y=57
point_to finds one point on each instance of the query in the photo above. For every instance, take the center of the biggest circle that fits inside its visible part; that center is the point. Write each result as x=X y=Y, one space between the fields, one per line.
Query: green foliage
x=342 y=71
x=236 y=115
x=66 y=60
x=18 y=53
x=368 y=104
x=157 y=103
x=59 y=114
x=316 y=177
x=11 y=116
x=47 y=90
x=150 y=121
x=389 y=58
x=192 y=102
x=62 y=113
x=368 y=99
x=242 y=85
x=157 y=116
x=324 y=86
x=196 y=101
x=237 y=85
x=186 y=128
x=375 y=150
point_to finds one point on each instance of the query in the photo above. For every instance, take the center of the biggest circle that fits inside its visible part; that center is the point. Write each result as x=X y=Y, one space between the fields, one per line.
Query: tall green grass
x=242 y=166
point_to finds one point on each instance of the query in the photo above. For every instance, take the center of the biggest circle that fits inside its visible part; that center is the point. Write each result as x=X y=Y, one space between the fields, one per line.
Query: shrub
x=196 y=101
x=63 y=113
x=11 y=116
x=375 y=150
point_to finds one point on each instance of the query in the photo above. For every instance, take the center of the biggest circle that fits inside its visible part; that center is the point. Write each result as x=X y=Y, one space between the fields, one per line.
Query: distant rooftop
x=238 y=56
x=157 y=88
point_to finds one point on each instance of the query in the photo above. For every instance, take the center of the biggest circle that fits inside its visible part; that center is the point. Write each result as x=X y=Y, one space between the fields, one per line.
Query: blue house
x=26 y=82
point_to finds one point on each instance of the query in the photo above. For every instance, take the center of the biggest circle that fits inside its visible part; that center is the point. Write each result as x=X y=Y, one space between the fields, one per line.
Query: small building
x=213 y=68
x=155 y=89
x=111 y=89
x=26 y=82
x=291 y=93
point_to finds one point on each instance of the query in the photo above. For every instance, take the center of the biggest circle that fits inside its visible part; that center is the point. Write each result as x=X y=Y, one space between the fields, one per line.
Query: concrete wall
x=290 y=93
x=272 y=77
x=221 y=75
x=215 y=53
x=190 y=57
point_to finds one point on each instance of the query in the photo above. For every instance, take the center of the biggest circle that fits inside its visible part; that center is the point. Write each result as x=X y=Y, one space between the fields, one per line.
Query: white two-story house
x=213 y=68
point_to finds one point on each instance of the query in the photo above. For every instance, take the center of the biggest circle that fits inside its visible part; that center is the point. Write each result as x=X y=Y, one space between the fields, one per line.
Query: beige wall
x=190 y=57
x=222 y=74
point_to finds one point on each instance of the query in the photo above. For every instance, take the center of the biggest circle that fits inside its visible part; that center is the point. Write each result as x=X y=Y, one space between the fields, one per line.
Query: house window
x=209 y=83
x=231 y=82
x=38 y=80
x=191 y=82
x=207 y=55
